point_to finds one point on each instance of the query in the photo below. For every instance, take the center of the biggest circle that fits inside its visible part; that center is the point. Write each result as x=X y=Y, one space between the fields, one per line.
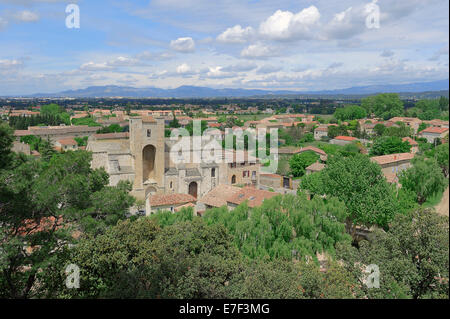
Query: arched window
x=171 y=185
x=149 y=133
x=213 y=172
x=233 y=179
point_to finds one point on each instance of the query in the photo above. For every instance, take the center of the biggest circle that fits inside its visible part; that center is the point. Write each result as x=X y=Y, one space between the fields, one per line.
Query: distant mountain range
x=205 y=92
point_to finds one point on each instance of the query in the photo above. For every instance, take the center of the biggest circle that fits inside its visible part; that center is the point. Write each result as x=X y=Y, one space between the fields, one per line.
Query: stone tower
x=147 y=149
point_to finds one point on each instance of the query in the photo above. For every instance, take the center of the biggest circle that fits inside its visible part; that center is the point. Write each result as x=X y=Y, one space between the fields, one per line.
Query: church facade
x=155 y=165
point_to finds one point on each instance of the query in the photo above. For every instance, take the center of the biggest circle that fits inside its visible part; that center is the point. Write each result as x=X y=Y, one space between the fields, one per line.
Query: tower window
x=149 y=133
x=213 y=172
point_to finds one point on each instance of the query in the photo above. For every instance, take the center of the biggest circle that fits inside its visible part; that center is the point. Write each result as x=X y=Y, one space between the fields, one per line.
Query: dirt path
x=442 y=207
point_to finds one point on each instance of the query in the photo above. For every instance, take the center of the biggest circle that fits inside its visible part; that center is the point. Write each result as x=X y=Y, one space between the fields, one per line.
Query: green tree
x=385 y=105
x=442 y=156
x=360 y=184
x=6 y=142
x=299 y=162
x=42 y=205
x=284 y=227
x=424 y=178
x=350 y=112
x=412 y=257
x=389 y=145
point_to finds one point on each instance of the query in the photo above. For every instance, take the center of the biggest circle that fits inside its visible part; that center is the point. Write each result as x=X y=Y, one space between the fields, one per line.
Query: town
x=216 y=158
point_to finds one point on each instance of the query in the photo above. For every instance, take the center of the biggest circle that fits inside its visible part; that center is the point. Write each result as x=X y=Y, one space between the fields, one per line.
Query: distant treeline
x=22 y=123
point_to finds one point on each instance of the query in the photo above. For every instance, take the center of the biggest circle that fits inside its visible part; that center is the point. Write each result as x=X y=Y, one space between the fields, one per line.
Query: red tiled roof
x=254 y=196
x=67 y=141
x=392 y=158
x=219 y=195
x=434 y=130
x=410 y=141
x=322 y=129
x=313 y=149
x=345 y=138
x=170 y=199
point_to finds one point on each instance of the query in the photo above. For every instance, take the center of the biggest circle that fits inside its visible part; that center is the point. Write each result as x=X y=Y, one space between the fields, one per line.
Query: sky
x=265 y=44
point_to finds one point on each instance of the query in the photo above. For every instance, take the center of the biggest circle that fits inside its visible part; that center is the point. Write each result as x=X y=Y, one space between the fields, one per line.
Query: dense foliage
x=389 y=145
x=360 y=184
x=299 y=162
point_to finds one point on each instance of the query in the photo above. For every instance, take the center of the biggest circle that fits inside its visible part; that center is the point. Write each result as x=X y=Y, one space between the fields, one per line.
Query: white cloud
x=183 y=44
x=10 y=64
x=217 y=73
x=235 y=34
x=183 y=69
x=258 y=50
x=124 y=61
x=91 y=66
x=26 y=16
x=285 y=25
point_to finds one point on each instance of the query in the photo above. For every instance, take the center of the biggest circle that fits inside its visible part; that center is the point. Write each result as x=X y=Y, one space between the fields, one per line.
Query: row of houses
x=222 y=195
x=436 y=128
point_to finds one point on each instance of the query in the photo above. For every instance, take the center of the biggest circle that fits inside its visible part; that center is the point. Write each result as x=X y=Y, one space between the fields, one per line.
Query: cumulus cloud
x=285 y=25
x=346 y=24
x=236 y=34
x=184 y=69
x=257 y=51
x=217 y=73
x=183 y=45
x=124 y=61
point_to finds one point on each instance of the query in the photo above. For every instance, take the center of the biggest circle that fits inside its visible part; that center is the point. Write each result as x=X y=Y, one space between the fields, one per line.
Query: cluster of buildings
x=167 y=179
x=435 y=128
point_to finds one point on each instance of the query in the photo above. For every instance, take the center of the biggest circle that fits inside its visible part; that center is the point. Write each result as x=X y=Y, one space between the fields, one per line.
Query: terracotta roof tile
x=392 y=158
x=434 y=130
x=170 y=199
x=219 y=195
x=254 y=196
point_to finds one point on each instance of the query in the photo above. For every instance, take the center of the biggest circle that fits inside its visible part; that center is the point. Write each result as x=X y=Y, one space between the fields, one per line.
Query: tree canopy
x=385 y=105
x=389 y=145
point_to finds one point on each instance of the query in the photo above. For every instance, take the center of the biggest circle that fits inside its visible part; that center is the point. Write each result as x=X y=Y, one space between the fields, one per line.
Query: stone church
x=145 y=157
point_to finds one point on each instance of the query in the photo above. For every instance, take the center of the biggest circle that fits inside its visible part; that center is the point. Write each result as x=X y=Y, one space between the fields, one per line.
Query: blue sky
x=300 y=45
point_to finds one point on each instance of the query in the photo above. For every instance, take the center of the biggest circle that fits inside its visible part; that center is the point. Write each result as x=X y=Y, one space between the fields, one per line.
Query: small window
x=213 y=172
x=171 y=185
x=149 y=133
